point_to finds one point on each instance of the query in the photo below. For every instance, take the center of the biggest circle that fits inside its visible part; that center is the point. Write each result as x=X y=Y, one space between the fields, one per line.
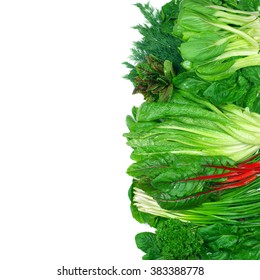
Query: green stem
x=235 y=53
x=252 y=60
x=242 y=34
x=221 y=8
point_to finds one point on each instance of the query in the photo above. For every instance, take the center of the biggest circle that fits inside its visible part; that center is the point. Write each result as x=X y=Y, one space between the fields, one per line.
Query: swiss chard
x=196 y=128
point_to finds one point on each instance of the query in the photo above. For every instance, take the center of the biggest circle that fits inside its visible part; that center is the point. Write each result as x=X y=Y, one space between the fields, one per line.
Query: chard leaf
x=151 y=166
x=169 y=203
x=175 y=167
x=154 y=111
x=178 y=189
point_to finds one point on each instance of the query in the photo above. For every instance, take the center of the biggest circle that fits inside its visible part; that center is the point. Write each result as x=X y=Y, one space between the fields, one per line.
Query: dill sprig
x=155 y=41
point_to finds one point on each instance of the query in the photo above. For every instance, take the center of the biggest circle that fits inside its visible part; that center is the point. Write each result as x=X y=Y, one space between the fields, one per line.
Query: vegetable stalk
x=217 y=41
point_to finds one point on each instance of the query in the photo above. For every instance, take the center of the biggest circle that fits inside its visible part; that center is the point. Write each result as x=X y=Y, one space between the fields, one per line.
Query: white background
x=63 y=104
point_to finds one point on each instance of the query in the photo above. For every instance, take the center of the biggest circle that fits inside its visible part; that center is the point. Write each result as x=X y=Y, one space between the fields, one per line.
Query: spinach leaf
x=223 y=241
x=227 y=91
x=252 y=74
x=252 y=99
x=169 y=14
x=146 y=241
x=190 y=81
x=242 y=88
x=249 y=5
x=251 y=253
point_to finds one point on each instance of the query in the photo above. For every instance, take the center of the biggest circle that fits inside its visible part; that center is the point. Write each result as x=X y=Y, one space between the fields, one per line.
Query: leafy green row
x=192 y=125
x=175 y=240
x=239 y=206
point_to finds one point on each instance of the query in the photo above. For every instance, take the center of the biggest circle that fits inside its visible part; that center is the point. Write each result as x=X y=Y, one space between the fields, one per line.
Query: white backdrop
x=62 y=115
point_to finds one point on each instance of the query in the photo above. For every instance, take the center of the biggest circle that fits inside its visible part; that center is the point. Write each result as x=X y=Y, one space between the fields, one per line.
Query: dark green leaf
x=249 y=5
x=252 y=74
x=190 y=81
x=145 y=241
x=224 y=242
x=227 y=91
x=169 y=14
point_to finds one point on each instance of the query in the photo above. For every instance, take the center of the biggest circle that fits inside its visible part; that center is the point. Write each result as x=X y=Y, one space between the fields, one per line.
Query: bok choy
x=217 y=41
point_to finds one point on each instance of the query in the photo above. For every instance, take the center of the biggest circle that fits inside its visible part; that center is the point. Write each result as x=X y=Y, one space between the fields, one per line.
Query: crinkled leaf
x=154 y=111
x=190 y=81
x=249 y=5
x=227 y=91
x=169 y=14
x=224 y=242
x=213 y=232
x=252 y=74
x=252 y=253
x=252 y=99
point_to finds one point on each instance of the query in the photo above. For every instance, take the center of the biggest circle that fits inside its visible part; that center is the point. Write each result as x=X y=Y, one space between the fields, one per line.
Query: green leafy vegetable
x=230 y=242
x=173 y=240
x=217 y=41
x=242 y=88
x=196 y=128
x=238 y=206
x=153 y=79
x=176 y=240
x=196 y=139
